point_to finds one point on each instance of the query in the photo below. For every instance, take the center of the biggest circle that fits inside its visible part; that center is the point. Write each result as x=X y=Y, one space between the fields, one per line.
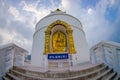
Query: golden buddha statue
x=59 y=42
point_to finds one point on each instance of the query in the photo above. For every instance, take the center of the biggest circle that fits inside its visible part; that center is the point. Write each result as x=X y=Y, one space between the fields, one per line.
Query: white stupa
x=59 y=41
x=60 y=52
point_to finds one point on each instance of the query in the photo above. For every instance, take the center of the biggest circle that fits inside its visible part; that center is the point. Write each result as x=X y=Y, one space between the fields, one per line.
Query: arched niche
x=48 y=32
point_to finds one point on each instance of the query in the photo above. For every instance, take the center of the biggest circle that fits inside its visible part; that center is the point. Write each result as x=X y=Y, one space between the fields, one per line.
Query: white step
x=37 y=77
x=83 y=75
x=111 y=75
x=33 y=77
x=117 y=77
x=14 y=77
x=102 y=74
x=6 y=78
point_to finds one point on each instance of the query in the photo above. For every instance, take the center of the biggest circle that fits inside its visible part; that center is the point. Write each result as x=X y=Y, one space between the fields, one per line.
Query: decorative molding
x=71 y=48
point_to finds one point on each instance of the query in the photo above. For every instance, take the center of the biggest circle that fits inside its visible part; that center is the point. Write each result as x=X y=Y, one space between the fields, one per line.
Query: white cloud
x=71 y=6
x=15 y=27
x=38 y=14
x=3 y=2
x=12 y=10
x=8 y=37
x=65 y=4
x=90 y=11
x=112 y=2
x=5 y=35
x=94 y=23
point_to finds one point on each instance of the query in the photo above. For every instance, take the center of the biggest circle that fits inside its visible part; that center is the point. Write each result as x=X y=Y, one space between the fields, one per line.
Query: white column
x=70 y=62
x=45 y=61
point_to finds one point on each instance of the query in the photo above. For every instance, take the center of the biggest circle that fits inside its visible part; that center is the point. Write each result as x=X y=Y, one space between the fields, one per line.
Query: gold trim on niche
x=71 y=48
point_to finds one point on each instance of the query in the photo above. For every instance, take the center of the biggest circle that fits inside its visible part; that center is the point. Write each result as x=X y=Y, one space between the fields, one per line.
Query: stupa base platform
x=85 y=71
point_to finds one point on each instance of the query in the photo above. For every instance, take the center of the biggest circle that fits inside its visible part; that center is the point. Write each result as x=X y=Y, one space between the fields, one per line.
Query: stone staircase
x=97 y=72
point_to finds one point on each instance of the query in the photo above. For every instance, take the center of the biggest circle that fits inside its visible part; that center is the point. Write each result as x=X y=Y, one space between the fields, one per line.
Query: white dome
x=58 y=15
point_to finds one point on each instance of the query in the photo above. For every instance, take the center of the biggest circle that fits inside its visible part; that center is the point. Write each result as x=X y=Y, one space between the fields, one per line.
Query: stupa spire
x=58 y=9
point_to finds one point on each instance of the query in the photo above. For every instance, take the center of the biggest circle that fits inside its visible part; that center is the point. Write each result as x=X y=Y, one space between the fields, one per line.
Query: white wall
x=108 y=53
x=80 y=46
x=38 y=48
x=9 y=57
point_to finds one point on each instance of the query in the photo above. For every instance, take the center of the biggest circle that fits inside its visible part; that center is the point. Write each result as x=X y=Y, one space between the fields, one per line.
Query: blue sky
x=100 y=19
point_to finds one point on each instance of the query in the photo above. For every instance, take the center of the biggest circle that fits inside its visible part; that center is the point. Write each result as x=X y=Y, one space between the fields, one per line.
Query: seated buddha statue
x=59 y=42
